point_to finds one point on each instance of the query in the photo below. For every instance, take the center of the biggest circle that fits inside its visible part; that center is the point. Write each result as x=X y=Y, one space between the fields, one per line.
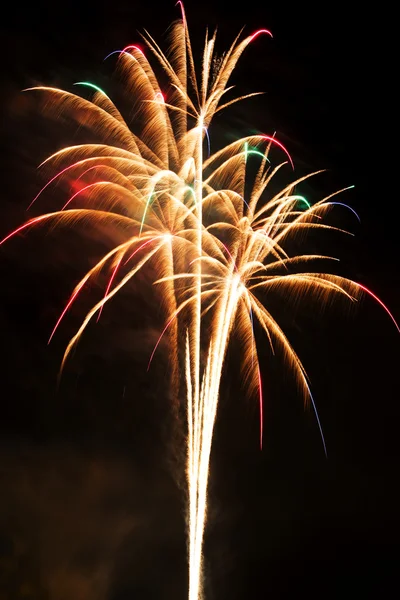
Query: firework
x=221 y=250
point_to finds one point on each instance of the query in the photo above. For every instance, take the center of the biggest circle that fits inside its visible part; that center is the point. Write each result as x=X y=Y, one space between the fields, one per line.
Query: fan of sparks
x=220 y=249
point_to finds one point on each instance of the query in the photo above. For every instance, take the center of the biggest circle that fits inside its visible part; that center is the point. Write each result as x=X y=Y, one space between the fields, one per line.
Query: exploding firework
x=221 y=250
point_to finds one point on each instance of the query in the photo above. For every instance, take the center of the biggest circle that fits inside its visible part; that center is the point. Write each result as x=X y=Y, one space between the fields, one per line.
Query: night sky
x=92 y=487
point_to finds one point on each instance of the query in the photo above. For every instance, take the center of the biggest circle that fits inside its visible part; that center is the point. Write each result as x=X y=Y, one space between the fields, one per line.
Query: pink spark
x=275 y=141
x=381 y=303
x=162 y=333
x=51 y=181
x=124 y=51
x=138 y=249
x=159 y=340
x=259 y=32
x=109 y=285
x=91 y=169
x=133 y=47
x=77 y=185
x=83 y=190
x=234 y=264
x=70 y=301
x=182 y=9
x=25 y=225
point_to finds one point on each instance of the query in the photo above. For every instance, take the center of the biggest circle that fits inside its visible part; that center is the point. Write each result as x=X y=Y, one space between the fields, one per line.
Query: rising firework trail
x=221 y=252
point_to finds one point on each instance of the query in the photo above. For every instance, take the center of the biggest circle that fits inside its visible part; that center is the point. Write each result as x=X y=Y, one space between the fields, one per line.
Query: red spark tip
x=180 y=3
x=377 y=299
x=281 y=146
x=257 y=33
x=133 y=47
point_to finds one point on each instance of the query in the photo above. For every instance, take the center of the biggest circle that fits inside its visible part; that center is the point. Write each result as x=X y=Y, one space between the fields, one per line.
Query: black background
x=92 y=502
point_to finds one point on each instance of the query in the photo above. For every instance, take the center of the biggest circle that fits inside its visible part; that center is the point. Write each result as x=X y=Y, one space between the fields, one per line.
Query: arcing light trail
x=221 y=251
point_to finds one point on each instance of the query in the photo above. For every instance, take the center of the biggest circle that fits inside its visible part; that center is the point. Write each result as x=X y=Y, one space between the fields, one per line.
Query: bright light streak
x=145 y=211
x=253 y=151
x=30 y=223
x=259 y=32
x=317 y=417
x=347 y=206
x=381 y=303
x=275 y=141
x=84 y=189
x=92 y=86
x=208 y=141
x=110 y=282
x=261 y=404
x=125 y=51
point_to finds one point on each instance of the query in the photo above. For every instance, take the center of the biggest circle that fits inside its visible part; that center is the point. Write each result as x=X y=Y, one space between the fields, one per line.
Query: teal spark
x=91 y=85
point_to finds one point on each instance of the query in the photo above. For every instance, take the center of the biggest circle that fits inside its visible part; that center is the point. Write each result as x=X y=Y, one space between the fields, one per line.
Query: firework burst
x=221 y=250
